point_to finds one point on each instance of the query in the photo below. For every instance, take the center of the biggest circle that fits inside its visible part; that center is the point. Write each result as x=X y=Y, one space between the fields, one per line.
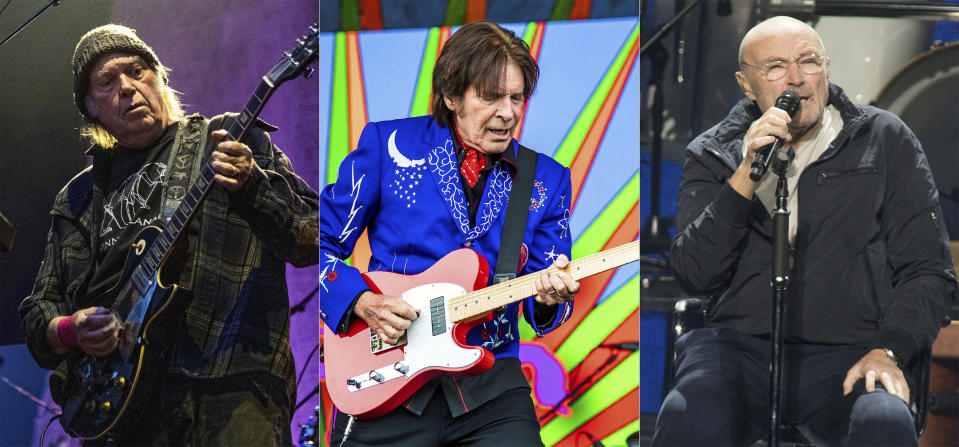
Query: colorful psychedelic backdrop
x=585 y=114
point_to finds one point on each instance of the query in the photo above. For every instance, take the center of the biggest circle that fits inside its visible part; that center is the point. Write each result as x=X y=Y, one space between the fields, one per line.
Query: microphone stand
x=780 y=283
x=30 y=20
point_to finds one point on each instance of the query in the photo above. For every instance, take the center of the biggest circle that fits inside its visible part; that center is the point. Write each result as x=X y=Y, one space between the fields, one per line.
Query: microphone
x=627 y=346
x=788 y=101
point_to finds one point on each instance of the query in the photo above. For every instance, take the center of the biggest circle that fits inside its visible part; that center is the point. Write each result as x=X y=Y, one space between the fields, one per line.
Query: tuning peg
x=308 y=72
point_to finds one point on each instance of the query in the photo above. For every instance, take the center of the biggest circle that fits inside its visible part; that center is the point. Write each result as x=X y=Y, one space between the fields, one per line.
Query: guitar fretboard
x=485 y=300
x=237 y=129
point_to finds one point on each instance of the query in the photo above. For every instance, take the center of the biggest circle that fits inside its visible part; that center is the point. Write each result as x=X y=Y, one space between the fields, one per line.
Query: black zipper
x=825 y=175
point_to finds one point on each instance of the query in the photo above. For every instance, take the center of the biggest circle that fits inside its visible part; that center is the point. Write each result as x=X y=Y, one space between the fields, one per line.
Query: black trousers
x=508 y=420
x=239 y=410
x=721 y=395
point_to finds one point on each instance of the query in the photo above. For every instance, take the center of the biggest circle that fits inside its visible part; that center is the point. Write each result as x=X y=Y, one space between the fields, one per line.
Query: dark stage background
x=217 y=52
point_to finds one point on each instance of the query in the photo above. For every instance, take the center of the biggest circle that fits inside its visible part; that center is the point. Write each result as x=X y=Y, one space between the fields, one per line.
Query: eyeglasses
x=808 y=64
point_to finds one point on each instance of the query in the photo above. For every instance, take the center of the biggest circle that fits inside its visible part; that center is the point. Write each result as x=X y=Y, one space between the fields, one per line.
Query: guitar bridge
x=378 y=345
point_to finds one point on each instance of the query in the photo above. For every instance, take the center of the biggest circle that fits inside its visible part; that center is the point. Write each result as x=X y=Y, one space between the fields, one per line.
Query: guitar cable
x=347 y=430
x=45 y=427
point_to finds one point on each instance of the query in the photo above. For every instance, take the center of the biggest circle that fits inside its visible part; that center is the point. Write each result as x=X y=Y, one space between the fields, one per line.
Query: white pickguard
x=423 y=349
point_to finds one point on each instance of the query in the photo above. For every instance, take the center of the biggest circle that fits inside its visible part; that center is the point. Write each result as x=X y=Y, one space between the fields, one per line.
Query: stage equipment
x=6 y=234
x=805 y=9
x=29 y=21
x=924 y=93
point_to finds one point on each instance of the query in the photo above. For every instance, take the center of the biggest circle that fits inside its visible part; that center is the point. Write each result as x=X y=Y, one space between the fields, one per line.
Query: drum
x=925 y=94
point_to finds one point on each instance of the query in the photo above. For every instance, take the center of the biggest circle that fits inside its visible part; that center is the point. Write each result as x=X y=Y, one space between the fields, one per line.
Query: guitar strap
x=517 y=211
x=184 y=163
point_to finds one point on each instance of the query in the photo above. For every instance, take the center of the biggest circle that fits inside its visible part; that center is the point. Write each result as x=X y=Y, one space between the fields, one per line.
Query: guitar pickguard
x=429 y=340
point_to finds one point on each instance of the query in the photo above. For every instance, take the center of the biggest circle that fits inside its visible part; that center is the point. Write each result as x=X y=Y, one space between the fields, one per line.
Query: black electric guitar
x=107 y=394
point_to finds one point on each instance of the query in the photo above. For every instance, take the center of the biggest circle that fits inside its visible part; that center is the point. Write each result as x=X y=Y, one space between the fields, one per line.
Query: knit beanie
x=103 y=40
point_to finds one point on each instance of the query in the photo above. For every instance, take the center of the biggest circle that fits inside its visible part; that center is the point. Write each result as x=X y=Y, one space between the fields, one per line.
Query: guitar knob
x=104 y=407
x=119 y=382
x=401 y=367
x=376 y=375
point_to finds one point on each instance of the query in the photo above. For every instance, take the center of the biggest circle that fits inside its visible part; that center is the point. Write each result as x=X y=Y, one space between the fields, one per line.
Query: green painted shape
x=350 y=15
x=610 y=388
x=339 y=143
x=619 y=436
x=421 y=97
x=561 y=10
x=529 y=33
x=601 y=321
x=455 y=13
x=577 y=134
x=602 y=228
x=526 y=332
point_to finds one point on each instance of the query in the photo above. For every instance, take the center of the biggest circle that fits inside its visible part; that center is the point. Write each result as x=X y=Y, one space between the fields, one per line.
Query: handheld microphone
x=789 y=102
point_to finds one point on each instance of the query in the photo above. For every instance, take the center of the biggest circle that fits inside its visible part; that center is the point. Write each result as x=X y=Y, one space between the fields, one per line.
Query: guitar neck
x=480 y=302
x=237 y=129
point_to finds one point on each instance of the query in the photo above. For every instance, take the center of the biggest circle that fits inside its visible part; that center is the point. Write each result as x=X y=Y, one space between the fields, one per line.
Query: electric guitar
x=104 y=394
x=367 y=378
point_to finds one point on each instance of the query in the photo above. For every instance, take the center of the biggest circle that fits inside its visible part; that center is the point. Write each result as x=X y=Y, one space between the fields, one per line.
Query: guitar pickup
x=438 y=315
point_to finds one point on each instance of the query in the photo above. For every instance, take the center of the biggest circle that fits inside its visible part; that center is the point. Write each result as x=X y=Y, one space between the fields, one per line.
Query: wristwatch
x=892 y=356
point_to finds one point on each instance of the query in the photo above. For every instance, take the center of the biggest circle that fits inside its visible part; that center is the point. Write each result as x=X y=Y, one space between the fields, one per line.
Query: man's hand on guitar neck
x=387 y=316
x=556 y=288
x=95 y=330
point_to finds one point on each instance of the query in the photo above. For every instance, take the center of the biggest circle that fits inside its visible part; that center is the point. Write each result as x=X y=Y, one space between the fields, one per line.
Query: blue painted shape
x=571 y=67
x=621 y=277
x=617 y=157
x=391 y=67
x=510 y=10
x=413 y=13
x=330 y=18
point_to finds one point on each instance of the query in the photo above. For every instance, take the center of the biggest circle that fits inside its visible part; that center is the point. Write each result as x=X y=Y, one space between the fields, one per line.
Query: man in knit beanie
x=220 y=345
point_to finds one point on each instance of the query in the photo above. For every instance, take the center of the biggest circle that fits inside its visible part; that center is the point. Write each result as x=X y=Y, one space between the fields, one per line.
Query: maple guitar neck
x=485 y=300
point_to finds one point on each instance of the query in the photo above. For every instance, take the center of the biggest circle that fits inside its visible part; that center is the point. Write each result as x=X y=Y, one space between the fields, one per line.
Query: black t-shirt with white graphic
x=132 y=202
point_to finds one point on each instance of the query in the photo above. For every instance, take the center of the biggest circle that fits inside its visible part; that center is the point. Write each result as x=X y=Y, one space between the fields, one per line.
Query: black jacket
x=871 y=262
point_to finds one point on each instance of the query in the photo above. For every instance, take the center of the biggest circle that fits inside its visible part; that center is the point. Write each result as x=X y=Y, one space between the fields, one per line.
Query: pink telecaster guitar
x=367 y=377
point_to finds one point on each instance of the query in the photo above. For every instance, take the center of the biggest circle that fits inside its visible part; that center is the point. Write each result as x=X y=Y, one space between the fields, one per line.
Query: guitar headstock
x=296 y=62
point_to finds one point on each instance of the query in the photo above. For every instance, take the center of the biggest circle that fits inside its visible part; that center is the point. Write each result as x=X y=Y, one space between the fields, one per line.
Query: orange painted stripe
x=534 y=46
x=444 y=36
x=356 y=98
x=371 y=15
x=475 y=10
x=580 y=167
x=592 y=288
x=627 y=331
x=609 y=421
x=580 y=10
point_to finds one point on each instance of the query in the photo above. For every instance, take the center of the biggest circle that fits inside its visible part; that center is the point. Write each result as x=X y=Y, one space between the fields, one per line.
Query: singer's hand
x=762 y=132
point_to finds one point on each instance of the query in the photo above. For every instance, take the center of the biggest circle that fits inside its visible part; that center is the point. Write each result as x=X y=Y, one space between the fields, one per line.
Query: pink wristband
x=65 y=332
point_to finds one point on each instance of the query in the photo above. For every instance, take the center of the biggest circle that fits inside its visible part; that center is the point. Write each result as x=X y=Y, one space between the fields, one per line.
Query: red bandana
x=472 y=164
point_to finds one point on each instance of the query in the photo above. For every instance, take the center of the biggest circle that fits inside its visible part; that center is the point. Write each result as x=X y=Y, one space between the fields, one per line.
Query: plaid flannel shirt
x=238 y=319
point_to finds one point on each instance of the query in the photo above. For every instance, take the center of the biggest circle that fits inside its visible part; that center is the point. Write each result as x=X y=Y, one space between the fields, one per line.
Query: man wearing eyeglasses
x=870 y=280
